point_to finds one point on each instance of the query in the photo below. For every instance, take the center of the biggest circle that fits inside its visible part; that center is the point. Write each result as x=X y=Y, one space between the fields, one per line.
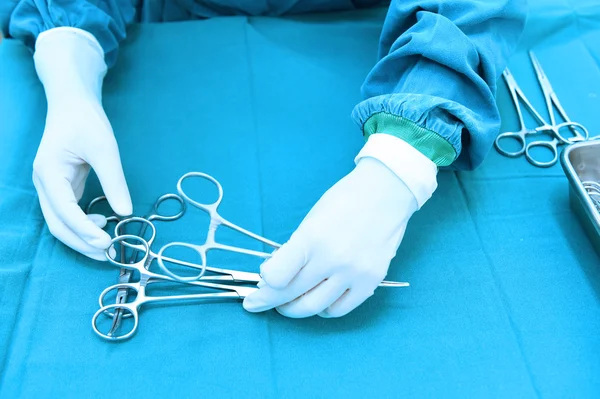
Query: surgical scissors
x=241 y=284
x=147 y=277
x=154 y=214
x=578 y=131
x=217 y=220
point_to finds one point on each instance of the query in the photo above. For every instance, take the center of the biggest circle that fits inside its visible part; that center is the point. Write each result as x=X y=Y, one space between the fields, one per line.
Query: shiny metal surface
x=581 y=164
x=561 y=134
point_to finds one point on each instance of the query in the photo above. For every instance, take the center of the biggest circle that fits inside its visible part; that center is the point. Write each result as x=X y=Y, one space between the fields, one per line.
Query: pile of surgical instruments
x=134 y=256
x=592 y=189
x=565 y=133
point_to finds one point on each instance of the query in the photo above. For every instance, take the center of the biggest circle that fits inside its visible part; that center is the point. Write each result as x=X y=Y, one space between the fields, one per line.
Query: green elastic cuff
x=426 y=141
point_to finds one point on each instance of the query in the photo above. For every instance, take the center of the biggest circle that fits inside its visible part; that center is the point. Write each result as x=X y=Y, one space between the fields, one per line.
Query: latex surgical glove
x=77 y=137
x=342 y=249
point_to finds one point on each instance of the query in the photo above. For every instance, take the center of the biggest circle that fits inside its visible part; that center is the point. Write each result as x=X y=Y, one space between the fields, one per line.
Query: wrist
x=387 y=194
x=70 y=63
x=413 y=168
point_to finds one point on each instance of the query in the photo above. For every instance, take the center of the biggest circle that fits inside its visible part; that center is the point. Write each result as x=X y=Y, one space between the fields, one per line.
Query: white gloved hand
x=342 y=250
x=70 y=64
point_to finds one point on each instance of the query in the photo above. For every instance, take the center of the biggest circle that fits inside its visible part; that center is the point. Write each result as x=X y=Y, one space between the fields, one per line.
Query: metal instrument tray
x=581 y=162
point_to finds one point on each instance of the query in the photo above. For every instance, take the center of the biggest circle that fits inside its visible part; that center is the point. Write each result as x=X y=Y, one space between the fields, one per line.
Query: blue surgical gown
x=433 y=86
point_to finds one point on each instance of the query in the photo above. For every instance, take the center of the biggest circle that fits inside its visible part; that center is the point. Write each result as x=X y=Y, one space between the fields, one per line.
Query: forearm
x=435 y=84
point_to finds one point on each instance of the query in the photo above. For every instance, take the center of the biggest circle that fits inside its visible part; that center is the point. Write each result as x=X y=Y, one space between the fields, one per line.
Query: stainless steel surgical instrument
x=147 y=277
x=154 y=215
x=593 y=191
x=235 y=284
x=564 y=133
x=216 y=220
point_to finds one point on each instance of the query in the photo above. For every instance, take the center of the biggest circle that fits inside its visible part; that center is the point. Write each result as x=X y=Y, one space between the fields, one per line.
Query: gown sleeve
x=434 y=85
x=107 y=20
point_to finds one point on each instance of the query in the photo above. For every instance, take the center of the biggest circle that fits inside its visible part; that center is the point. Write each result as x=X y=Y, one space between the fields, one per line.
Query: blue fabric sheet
x=505 y=286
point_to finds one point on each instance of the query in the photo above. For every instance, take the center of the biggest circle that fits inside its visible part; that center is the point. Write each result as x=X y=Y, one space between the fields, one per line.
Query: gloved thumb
x=282 y=267
x=108 y=168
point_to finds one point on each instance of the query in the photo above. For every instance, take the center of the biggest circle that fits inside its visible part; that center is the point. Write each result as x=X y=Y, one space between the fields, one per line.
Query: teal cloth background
x=505 y=286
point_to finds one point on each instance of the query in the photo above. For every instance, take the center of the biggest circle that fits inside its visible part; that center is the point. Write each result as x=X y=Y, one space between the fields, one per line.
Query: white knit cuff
x=68 y=30
x=412 y=167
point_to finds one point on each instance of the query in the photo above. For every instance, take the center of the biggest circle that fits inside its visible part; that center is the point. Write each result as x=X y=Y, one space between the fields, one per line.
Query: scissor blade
x=539 y=71
x=246 y=277
x=241 y=291
x=515 y=90
x=393 y=284
x=549 y=93
x=235 y=275
x=516 y=94
x=124 y=277
x=122 y=294
x=116 y=322
x=510 y=79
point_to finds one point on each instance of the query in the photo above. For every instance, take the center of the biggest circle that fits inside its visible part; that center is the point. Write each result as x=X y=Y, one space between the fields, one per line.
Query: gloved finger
x=347 y=303
x=107 y=165
x=64 y=234
x=268 y=297
x=315 y=300
x=284 y=265
x=98 y=220
x=60 y=197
